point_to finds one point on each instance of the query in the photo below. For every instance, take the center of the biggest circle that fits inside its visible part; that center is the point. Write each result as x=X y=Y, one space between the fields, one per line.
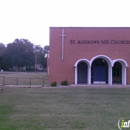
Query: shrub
x=54 y=84
x=65 y=82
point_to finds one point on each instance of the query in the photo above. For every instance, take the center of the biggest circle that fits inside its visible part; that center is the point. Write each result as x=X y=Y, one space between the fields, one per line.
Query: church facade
x=89 y=55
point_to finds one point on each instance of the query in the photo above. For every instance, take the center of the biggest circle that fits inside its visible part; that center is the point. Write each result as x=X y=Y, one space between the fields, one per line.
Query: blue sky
x=31 y=19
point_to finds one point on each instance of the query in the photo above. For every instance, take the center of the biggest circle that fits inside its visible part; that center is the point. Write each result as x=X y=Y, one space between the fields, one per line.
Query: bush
x=65 y=82
x=54 y=84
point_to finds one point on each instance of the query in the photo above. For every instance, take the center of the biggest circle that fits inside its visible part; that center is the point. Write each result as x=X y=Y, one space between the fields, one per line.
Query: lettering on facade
x=99 y=41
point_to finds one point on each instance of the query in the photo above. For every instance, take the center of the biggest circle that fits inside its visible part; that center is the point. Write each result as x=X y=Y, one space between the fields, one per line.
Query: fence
x=21 y=81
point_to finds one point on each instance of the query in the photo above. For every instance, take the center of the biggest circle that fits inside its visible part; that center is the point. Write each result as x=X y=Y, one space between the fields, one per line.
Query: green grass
x=63 y=108
x=23 y=78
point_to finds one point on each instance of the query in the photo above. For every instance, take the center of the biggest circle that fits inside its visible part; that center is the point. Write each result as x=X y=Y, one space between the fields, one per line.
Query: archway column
x=76 y=75
x=110 y=75
x=89 y=75
x=124 y=75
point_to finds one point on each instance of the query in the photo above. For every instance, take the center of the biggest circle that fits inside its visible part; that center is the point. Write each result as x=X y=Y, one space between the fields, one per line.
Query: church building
x=89 y=55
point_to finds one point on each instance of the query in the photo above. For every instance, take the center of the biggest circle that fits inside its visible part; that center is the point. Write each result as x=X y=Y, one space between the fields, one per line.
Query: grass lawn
x=63 y=108
x=23 y=78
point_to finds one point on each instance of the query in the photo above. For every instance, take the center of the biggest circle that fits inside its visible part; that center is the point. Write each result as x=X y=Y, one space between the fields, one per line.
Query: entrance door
x=99 y=74
x=82 y=72
x=99 y=71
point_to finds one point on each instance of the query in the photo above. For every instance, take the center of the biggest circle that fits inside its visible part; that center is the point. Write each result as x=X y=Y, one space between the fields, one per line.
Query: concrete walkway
x=100 y=86
x=69 y=86
x=22 y=86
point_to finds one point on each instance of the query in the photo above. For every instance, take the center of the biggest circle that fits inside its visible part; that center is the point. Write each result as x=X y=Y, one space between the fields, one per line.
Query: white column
x=123 y=75
x=89 y=75
x=75 y=74
x=110 y=75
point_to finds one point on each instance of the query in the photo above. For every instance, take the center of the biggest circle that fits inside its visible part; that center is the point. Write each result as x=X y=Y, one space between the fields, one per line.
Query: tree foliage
x=21 y=53
x=40 y=54
x=2 y=48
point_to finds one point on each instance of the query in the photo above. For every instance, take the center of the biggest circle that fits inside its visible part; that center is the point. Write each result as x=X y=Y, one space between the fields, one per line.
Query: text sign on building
x=99 y=41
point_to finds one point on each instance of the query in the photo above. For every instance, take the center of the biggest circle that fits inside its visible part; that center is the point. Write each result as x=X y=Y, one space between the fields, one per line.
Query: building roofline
x=93 y=27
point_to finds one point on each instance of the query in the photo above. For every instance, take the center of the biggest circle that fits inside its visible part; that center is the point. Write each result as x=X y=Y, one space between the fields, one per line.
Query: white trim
x=123 y=75
x=103 y=57
x=123 y=62
x=89 y=75
x=109 y=75
x=99 y=82
x=82 y=59
x=76 y=75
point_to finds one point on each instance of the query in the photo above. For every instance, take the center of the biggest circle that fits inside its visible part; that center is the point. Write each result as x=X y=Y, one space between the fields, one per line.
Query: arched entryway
x=82 y=72
x=108 y=63
x=117 y=73
x=99 y=71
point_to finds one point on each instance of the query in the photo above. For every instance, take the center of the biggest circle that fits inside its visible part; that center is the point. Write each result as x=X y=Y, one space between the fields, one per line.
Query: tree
x=20 y=53
x=2 y=49
x=46 y=49
x=40 y=54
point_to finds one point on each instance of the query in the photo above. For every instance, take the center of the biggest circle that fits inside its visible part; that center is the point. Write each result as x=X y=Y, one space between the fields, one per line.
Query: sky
x=31 y=19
